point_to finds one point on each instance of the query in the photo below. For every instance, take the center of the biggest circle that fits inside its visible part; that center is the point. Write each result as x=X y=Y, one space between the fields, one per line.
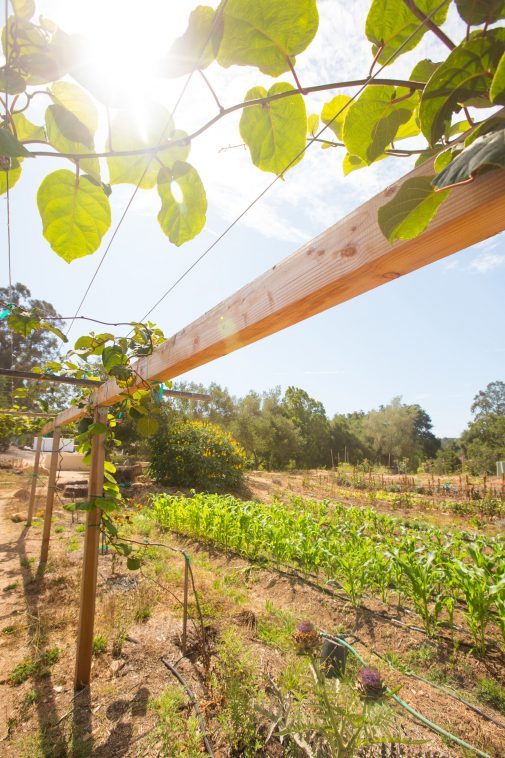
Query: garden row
x=365 y=552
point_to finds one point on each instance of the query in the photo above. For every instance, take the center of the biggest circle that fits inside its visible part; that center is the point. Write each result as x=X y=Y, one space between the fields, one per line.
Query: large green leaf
x=497 y=91
x=78 y=102
x=11 y=81
x=374 y=119
x=26 y=131
x=38 y=56
x=75 y=214
x=14 y=173
x=484 y=153
x=477 y=12
x=334 y=114
x=275 y=133
x=10 y=146
x=197 y=47
x=69 y=135
x=266 y=33
x=461 y=78
x=390 y=23
x=423 y=70
x=127 y=134
x=181 y=221
x=411 y=209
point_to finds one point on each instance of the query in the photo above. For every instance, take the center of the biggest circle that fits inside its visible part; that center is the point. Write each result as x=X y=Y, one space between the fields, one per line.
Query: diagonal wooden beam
x=350 y=258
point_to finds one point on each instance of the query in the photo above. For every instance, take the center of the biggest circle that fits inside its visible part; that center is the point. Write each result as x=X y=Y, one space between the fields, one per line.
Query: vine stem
x=442 y=36
x=295 y=76
x=222 y=114
x=212 y=90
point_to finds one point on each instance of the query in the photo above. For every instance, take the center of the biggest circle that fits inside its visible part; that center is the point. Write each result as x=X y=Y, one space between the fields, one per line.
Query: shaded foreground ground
x=139 y=620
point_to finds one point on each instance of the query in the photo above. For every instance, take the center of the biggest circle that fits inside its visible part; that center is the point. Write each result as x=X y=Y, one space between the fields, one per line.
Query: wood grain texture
x=51 y=489
x=33 y=488
x=350 y=258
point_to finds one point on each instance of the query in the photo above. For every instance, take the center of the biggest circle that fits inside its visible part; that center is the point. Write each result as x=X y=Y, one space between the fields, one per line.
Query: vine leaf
x=330 y=110
x=497 y=90
x=75 y=100
x=266 y=33
x=69 y=135
x=75 y=214
x=14 y=174
x=423 y=70
x=11 y=81
x=187 y=52
x=26 y=131
x=113 y=356
x=462 y=77
x=181 y=221
x=411 y=209
x=125 y=135
x=352 y=163
x=312 y=125
x=147 y=426
x=39 y=57
x=23 y=8
x=486 y=152
x=133 y=564
x=390 y=23
x=374 y=119
x=275 y=132
x=10 y=146
x=477 y=12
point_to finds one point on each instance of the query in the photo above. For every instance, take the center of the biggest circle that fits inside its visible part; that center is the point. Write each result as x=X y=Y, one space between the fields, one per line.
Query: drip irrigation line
x=297 y=157
x=416 y=714
x=194 y=703
x=215 y=22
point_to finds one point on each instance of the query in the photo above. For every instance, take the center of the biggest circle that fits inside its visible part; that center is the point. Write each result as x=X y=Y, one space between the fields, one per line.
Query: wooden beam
x=90 y=559
x=35 y=414
x=350 y=258
x=35 y=475
x=51 y=488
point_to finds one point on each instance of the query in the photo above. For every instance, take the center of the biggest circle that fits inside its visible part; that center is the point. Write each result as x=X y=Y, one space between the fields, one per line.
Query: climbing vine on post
x=436 y=109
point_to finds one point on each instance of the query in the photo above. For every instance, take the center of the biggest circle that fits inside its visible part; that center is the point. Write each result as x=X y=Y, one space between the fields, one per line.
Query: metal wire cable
x=294 y=160
x=217 y=17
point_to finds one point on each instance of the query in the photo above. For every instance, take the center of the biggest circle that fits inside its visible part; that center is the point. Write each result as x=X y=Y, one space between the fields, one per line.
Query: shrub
x=196 y=454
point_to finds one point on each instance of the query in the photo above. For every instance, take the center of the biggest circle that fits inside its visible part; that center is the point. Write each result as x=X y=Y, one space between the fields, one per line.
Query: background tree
x=309 y=418
x=484 y=440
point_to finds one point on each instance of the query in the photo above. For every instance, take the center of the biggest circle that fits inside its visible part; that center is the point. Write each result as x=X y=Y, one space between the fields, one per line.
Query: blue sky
x=435 y=336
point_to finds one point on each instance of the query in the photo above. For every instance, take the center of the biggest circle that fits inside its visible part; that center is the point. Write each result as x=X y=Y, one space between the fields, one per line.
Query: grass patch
x=99 y=644
x=73 y=544
x=58 y=529
x=277 y=628
x=143 y=614
x=10 y=587
x=10 y=630
x=39 y=667
x=80 y=528
x=491 y=693
x=178 y=733
x=22 y=672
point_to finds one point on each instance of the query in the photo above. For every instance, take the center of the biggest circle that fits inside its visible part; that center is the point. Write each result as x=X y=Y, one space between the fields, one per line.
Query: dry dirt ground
x=139 y=621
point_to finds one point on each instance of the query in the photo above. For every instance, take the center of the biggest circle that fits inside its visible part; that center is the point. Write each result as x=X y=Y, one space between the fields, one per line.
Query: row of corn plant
x=366 y=553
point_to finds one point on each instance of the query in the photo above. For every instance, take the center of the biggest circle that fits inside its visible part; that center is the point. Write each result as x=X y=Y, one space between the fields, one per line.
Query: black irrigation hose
x=194 y=703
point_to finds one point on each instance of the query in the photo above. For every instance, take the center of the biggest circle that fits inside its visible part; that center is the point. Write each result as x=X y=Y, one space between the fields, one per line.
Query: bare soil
x=43 y=716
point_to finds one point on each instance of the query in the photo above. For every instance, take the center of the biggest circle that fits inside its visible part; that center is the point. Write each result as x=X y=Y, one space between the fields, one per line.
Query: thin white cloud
x=486 y=262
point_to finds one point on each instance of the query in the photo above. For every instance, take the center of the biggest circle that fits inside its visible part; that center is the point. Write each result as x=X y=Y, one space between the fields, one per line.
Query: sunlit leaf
x=390 y=23
x=39 y=57
x=11 y=81
x=338 y=105
x=97 y=428
x=411 y=209
x=75 y=214
x=26 y=131
x=352 y=163
x=133 y=563
x=312 y=124
x=374 y=119
x=78 y=102
x=486 y=152
x=23 y=8
x=69 y=135
x=12 y=175
x=147 y=426
x=181 y=221
x=54 y=329
x=197 y=47
x=497 y=91
x=266 y=33
x=459 y=79
x=275 y=133
x=113 y=356
x=477 y=12
x=10 y=146
x=423 y=70
x=127 y=134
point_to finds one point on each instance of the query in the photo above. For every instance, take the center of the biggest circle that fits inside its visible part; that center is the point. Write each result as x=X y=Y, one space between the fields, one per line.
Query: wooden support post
x=51 y=488
x=185 y=613
x=31 y=502
x=90 y=559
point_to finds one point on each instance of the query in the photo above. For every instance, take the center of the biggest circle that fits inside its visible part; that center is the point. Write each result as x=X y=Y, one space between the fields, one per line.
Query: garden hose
x=406 y=706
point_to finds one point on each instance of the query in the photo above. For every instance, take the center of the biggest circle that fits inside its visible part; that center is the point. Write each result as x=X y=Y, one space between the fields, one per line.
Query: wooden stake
x=51 y=488
x=35 y=475
x=185 y=614
x=90 y=559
